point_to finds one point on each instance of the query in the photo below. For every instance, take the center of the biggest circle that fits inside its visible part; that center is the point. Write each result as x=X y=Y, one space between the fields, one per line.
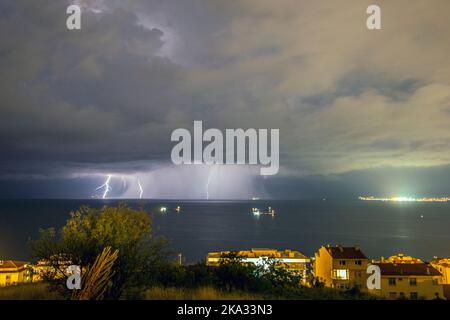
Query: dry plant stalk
x=96 y=280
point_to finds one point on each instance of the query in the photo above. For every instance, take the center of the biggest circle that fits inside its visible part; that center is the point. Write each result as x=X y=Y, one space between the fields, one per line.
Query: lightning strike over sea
x=141 y=191
x=106 y=186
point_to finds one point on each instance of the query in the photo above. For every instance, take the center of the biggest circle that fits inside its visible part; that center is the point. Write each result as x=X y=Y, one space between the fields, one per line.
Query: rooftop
x=261 y=252
x=10 y=265
x=407 y=269
x=402 y=258
x=443 y=262
x=340 y=252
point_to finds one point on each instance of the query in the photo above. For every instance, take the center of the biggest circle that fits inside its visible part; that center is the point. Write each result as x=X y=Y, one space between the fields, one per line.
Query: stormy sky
x=359 y=111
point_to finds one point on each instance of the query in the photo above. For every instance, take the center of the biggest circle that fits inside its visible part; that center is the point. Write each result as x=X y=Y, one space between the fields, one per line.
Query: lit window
x=340 y=274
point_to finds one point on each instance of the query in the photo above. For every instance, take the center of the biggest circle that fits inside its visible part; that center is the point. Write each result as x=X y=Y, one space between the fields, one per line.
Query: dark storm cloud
x=106 y=98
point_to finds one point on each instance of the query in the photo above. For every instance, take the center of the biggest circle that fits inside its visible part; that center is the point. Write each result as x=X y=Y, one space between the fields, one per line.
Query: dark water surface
x=381 y=229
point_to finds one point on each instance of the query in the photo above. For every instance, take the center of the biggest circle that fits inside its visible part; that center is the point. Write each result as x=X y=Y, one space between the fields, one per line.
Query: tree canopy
x=89 y=230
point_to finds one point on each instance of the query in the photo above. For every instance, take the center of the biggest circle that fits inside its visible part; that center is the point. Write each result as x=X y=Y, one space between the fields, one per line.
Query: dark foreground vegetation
x=121 y=259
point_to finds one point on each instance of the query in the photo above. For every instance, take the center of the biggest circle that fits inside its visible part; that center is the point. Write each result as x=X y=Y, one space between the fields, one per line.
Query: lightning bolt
x=106 y=186
x=141 y=191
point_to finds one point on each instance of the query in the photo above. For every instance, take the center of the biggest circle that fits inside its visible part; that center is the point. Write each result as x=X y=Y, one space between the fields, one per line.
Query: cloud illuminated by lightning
x=106 y=186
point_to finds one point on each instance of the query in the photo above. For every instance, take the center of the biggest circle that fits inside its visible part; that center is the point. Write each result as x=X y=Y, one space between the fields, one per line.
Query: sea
x=380 y=229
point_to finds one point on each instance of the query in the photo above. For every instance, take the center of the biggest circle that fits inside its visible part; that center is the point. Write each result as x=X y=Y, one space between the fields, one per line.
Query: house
x=54 y=268
x=409 y=281
x=401 y=258
x=291 y=260
x=14 y=272
x=341 y=267
x=443 y=266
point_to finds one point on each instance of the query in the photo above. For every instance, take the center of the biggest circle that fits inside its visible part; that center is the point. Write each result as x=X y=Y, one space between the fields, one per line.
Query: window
x=392 y=282
x=402 y=295
x=413 y=282
x=435 y=282
x=392 y=295
x=342 y=262
x=340 y=274
x=414 y=295
x=358 y=262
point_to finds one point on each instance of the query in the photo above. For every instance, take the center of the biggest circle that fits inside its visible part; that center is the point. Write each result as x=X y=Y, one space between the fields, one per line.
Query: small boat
x=178 y=209
x=257 y=212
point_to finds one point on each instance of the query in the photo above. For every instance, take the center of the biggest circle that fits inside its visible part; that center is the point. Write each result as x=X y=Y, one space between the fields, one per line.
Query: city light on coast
x=405 y=199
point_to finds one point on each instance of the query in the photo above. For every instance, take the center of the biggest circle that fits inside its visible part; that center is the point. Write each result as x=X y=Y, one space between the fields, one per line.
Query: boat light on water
x=163 y=209
x=257 y=212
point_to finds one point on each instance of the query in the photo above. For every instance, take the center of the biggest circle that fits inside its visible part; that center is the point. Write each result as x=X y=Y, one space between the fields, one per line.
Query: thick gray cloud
x=106 y=98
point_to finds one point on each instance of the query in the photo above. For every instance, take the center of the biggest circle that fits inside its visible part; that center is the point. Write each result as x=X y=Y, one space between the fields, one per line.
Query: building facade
x=14 y=272
x=409 y=281
x=443 y=266
x=291 y=260
x=341 y=267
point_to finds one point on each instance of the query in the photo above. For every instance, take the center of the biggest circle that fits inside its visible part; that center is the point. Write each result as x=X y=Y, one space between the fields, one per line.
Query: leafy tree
x=89 y=231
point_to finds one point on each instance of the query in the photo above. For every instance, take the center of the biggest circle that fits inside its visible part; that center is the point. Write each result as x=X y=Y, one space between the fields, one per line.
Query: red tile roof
x=346 y=253
x=407 y=269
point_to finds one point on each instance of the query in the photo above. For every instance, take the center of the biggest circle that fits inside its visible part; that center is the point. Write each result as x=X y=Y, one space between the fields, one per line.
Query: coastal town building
x=409 y=281
x=14 y=272
x=341 y=267
x=401 y=258
x=292 y=260
x=443 y=266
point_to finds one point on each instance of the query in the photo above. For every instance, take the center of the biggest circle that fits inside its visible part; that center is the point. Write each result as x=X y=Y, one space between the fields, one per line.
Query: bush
x=89 y=231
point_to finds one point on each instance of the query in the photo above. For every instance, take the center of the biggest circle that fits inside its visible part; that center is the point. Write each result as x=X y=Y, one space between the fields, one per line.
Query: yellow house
x=292 y=260
x=443 y=266
x=409 y=281
x=341 y=267
x=14 y=272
